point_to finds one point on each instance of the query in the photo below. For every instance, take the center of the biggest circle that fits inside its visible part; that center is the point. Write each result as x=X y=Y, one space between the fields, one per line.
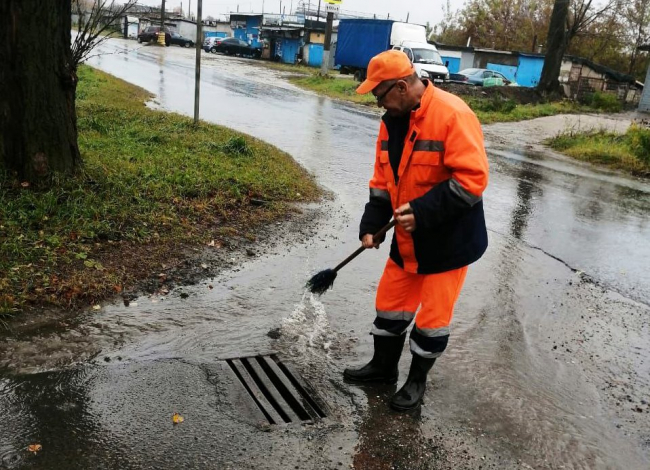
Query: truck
x=359 y=40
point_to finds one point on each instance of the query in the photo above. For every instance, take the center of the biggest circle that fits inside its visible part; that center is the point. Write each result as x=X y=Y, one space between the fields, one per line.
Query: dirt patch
x=160 y=268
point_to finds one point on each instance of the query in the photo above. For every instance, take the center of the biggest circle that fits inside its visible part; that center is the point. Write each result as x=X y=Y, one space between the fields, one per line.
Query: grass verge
x=293 y=69
x=489 y=109
x=151 y=186
x=496 y=109
x=339 y=88
x=629 y=152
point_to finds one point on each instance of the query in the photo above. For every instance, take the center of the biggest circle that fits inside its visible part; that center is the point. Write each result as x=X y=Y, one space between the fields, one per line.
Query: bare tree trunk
x=556 y=45
x=38 y=123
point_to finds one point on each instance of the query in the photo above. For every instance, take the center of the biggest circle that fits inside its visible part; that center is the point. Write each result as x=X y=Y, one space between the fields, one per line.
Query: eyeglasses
x=379 y=98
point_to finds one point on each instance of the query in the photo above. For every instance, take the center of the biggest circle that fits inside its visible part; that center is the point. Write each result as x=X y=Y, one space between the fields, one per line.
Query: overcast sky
x=420 y=11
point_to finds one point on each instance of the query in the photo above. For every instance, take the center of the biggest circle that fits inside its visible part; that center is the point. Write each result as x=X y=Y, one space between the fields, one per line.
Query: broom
x=324 y=280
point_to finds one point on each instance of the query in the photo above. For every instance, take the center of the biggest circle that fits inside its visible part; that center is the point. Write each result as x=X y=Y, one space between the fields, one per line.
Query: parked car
x=209 y=45
x=181 y=40
x=151 y=34
x=478 y=77
x=234 y=46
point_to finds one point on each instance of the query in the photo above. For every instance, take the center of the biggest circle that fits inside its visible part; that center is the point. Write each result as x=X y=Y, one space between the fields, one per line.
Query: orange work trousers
x=401 y=293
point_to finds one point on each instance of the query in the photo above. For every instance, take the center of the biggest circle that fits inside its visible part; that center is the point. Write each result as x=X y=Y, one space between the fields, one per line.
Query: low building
x=456 y=58
x=580 y=77
x=246 y=26
x=521 y=67
x=186 y=28
x=217 y=28
x=314 y=39
x=284 y=38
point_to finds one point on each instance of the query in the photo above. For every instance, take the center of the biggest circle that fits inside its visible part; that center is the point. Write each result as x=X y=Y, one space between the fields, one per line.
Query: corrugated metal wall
x=644 y=105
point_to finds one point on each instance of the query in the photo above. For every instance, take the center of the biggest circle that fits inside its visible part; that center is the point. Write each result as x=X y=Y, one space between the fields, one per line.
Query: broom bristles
x=322 y=281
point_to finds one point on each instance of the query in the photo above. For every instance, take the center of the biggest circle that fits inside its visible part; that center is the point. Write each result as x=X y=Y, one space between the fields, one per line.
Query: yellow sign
x=334 y=2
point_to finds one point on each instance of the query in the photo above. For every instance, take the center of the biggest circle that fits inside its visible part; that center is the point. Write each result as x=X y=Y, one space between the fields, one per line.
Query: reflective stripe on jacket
x=442 y=174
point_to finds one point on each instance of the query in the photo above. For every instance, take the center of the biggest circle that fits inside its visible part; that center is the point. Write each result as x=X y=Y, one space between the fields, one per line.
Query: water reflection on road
x=550 y=332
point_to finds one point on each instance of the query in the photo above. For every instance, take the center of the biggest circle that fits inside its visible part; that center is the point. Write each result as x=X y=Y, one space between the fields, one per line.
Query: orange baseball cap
x=388 y=65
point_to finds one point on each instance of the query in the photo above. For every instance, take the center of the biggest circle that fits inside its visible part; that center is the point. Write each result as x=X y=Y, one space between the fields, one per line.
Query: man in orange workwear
x=430 y=173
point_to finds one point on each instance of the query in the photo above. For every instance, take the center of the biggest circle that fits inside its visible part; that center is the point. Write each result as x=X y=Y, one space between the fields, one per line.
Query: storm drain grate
x=279 y=393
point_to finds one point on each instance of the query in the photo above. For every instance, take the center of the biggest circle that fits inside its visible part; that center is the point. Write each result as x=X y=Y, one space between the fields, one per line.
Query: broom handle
x=376 y=236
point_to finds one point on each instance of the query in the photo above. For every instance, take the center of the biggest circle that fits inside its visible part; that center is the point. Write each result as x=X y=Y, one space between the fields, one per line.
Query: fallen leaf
x=34 y=448
x=177 y=418
x=97 y=307
x=204 y=266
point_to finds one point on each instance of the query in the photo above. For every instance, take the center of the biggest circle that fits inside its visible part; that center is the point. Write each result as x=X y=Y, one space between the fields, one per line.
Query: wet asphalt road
x=547 y=365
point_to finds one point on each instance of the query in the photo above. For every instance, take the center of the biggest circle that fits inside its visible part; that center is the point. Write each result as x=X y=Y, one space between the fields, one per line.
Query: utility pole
x=328 y=39
x=318 y=13
x=162 y=37
x=197 y=74
x=189 y=11
x=162 y=15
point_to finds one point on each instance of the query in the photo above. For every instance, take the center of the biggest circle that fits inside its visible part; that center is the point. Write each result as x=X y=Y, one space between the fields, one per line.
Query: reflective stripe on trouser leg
x=439 y=293
x=398 y=298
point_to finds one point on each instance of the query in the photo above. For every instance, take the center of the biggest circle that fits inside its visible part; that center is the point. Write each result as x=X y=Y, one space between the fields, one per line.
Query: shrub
x=605 y=102
x=494 y=104
x=237 y=146
x=640 y=143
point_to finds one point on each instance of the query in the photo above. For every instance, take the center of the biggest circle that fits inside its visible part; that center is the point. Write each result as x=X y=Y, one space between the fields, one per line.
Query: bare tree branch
x=95 y=28
x=582 y=15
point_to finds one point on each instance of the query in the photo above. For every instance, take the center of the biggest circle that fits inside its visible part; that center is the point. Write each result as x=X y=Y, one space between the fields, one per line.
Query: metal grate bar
x=300 y=386
x=280 y=394
x=258 y=396
x=271 y=392
x=289 y=391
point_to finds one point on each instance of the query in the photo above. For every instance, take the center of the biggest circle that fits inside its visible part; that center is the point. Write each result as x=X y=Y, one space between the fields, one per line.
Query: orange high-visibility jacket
x=442 y=173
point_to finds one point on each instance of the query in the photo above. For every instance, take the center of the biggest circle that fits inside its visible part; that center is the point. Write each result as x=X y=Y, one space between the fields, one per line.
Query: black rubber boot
x=383 y=366
x=410 y=395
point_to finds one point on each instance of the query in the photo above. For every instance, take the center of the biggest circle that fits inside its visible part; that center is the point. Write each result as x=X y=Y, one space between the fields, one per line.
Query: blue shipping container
x=360 y=40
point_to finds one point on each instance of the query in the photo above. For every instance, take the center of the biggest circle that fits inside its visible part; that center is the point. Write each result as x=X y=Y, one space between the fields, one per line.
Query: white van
x=426 y=59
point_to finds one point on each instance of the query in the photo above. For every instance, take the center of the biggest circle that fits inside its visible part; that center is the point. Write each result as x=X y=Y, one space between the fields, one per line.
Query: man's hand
x=406 y=221
x=368 y=242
